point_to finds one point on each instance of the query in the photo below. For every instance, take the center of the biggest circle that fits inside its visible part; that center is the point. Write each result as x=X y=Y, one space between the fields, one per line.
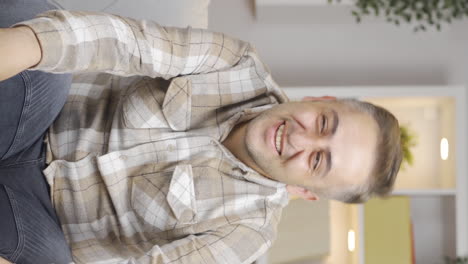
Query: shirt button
x=123 y=157
x=170 y=148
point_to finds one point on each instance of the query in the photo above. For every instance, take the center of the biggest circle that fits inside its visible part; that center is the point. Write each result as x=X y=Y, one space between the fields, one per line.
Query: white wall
x=348 y=54
x=434 y=229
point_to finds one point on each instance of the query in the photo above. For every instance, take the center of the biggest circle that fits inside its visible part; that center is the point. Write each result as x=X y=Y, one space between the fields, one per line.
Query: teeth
x=278 y=138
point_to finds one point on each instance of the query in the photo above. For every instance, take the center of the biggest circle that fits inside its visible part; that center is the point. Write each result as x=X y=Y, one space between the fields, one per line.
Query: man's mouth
x=279 y=138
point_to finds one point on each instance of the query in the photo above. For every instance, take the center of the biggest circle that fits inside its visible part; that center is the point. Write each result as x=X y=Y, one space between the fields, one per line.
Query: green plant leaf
x=407 y=17
x=447 y=260
x=408 y=140
x=376 y=9
x=447 y=4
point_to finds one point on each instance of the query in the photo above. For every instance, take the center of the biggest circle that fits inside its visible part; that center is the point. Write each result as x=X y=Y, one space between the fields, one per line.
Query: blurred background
x=316 y=48
x=310 y=43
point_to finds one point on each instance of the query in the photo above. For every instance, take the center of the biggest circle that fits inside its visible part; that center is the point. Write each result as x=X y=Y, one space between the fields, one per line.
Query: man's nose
x=307 y=140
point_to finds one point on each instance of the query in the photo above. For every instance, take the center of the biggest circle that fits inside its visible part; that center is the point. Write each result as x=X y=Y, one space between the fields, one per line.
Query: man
x=174 y=145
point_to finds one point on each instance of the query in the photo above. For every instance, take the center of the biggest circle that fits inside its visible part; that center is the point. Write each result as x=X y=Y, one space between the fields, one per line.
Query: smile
x=277 y=137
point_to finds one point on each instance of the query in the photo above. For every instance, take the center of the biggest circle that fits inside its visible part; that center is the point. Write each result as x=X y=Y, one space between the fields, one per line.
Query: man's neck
x=234 y=142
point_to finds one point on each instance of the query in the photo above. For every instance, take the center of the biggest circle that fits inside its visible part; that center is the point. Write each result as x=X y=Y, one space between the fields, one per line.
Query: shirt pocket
x=158 y=103
x=142 y=105
x=165 y=202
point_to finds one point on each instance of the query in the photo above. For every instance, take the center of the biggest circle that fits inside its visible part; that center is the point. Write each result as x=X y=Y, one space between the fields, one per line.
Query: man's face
x=321 y=145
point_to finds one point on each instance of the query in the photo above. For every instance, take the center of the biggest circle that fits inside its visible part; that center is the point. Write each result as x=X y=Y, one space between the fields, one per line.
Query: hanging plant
x=427 y=12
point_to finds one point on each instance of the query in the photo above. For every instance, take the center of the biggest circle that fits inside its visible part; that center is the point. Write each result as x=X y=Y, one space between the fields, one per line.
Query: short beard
x=257 y=157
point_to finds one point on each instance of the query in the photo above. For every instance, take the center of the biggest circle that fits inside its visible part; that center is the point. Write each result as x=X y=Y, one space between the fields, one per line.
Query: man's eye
x=324 y=124
x=317 y=159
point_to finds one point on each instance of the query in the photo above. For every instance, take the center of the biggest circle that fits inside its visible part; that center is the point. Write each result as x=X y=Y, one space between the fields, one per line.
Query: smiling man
x=322 y=147
x=170 y=145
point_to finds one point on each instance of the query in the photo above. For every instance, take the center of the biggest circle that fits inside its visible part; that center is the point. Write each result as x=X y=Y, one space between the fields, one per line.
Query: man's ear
x=301 y=192
x=322 y=98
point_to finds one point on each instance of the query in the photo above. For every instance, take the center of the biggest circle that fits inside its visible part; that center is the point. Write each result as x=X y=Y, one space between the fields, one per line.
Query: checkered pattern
x=136 y=167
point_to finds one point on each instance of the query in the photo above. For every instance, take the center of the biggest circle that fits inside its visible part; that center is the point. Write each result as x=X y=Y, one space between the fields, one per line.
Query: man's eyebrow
x=336 y=121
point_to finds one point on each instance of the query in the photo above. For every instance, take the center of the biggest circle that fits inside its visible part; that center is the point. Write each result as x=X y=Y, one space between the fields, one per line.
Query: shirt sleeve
x=231 y=244
x=83 y=41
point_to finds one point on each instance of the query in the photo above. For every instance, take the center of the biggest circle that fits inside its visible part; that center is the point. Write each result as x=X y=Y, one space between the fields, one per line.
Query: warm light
x=444 y=149
x=351 y=240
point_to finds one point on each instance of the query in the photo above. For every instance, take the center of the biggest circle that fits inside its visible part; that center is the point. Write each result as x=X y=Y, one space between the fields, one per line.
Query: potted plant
x=408 y=140
x=426 y=12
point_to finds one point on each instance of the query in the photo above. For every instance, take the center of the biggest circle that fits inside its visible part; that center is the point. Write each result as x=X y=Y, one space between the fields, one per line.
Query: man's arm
x=19 y=50
x=73 y=41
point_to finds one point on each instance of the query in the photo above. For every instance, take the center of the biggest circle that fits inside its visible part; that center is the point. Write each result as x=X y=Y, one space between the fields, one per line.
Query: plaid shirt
x=137 y=170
